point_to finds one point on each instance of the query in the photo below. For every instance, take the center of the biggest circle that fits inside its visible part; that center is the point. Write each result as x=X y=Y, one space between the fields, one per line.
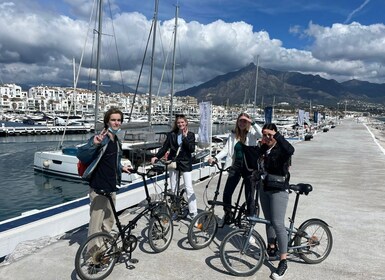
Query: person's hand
x=99 y=138
x=184 y=131
x=127 y=168
x=212 y=160
x=153 y=160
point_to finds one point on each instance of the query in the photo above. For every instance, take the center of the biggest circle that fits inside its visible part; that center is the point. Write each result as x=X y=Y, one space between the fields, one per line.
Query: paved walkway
x=346 y=169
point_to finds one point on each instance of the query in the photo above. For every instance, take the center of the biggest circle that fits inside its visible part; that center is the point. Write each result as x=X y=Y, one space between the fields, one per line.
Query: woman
x=245 y=133
x=276 y=154
x=181 y=144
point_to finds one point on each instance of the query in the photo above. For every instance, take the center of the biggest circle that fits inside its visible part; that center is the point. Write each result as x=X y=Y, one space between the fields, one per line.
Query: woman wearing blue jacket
x=103 y=153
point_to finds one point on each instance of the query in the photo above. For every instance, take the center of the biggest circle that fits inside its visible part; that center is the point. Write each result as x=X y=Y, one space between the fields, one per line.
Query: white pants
x=191 y=198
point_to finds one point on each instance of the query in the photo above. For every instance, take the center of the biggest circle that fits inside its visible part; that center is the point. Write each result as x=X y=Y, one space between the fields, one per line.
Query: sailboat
x=63 y=161
x=56 y=220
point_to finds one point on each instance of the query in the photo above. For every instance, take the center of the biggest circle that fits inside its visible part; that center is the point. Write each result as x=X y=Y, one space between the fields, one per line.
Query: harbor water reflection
x=24 y=190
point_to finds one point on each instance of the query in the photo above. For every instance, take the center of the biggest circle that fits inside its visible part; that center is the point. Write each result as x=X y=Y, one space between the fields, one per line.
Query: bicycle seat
x=302 y=188
x=212 y=202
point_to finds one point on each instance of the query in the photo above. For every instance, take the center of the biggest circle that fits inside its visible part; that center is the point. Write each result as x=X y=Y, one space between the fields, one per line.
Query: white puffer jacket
x=228 y=150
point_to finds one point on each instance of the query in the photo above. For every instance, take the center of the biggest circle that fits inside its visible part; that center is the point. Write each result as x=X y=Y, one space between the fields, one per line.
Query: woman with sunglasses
x=272 y=159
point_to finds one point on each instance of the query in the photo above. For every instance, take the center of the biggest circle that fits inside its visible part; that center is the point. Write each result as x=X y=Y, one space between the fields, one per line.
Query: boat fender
x=46 y=163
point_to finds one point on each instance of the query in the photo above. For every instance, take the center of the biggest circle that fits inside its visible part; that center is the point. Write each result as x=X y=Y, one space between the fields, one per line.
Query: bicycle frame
x=126 y=230
x=292 y=231
x=243 y=250
x=236 y=207
x=176 y=196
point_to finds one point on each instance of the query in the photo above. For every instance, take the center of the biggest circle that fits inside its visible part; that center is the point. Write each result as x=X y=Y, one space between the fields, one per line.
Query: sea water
x=23 y=189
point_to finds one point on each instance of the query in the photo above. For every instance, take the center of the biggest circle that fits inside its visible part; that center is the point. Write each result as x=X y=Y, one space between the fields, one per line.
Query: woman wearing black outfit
x=181 y=144
x=273 y=159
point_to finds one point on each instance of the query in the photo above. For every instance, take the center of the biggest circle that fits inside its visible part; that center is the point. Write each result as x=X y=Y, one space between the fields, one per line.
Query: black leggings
x=235 y=174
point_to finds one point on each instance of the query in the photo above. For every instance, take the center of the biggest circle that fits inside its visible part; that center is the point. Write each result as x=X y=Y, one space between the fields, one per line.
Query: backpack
x=82 y=168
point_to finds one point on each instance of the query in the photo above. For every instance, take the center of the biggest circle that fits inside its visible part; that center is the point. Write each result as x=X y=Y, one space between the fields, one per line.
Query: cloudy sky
x=340 y=40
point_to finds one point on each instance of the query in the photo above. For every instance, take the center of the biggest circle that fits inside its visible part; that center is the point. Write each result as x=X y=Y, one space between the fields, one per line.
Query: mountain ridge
x=238 y=87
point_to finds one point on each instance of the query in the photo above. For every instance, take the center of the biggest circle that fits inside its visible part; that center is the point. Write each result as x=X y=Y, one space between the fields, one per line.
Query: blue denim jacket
x=91 y=153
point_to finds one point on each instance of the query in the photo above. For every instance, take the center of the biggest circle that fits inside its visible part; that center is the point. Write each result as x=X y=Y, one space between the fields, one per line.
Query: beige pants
x=101 y=215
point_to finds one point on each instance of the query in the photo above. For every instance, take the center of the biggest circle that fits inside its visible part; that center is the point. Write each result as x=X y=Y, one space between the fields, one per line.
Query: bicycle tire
x=99 y=261
x=202 y=230
x=160 y=232
x=236 y=261
x=318 y=239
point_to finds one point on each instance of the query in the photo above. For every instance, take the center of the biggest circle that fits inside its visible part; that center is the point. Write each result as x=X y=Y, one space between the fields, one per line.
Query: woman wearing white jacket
x=245 y=133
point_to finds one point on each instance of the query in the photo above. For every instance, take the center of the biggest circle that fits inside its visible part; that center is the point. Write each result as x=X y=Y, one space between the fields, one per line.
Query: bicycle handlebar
x=220 y=168
x=163 y=161
x=148 y=172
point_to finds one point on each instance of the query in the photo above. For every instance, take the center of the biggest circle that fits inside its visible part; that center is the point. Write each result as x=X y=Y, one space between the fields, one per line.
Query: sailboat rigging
x=64 y=161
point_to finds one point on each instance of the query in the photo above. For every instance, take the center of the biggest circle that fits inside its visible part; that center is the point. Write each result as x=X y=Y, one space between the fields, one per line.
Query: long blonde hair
x=241 y=134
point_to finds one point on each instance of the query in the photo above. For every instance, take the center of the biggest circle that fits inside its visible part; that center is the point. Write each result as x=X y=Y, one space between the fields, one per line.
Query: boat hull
x=62 y=164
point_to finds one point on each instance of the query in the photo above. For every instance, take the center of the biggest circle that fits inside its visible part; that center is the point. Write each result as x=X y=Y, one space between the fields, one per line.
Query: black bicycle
x=204 y=226
x=96 y=258
x=243 y=251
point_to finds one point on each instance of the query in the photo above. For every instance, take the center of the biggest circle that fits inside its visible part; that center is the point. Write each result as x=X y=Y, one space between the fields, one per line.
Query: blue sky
x=339 y=40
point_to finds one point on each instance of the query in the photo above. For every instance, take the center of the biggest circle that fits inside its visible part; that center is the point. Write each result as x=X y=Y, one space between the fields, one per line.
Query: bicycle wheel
x=316 y=241
x=240 y=254
x=202 y=230
x=160 y=232
x=96 y=258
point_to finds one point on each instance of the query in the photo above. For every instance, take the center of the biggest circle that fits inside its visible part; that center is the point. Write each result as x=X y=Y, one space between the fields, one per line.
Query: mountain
x=292 y=87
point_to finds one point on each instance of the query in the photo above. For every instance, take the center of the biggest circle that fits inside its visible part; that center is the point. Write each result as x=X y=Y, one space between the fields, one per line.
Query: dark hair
x=108 y=114
x=270 y=126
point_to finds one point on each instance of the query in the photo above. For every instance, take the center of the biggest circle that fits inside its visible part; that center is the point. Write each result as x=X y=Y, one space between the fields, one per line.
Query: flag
x=205 y=126
x=316 y=117
x=268 y=114
x=301 y=117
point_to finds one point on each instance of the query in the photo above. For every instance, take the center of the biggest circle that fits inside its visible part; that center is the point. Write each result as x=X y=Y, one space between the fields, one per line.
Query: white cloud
x=39 y=47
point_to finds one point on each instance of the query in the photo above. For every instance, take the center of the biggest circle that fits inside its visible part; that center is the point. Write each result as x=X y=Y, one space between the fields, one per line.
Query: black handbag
x=275 y=182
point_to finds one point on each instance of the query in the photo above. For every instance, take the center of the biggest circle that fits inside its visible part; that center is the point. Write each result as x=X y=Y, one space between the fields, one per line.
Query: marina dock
x=42 y=130
x=345 y=166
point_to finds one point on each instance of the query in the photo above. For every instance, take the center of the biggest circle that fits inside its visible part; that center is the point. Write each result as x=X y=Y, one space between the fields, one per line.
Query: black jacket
x=184 y=158
x=277 y=162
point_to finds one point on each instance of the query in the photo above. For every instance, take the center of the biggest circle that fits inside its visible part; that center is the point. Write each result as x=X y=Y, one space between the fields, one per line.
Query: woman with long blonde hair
x=245 y=133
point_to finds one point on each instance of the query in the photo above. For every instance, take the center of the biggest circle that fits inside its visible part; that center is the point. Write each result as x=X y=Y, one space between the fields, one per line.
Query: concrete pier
x=346 y=168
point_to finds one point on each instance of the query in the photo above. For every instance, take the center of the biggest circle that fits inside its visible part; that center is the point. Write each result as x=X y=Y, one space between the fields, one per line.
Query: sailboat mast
x=100 y=11
x=256 y=87
x=173 y=65
x=152 y=61
x=75 y=90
